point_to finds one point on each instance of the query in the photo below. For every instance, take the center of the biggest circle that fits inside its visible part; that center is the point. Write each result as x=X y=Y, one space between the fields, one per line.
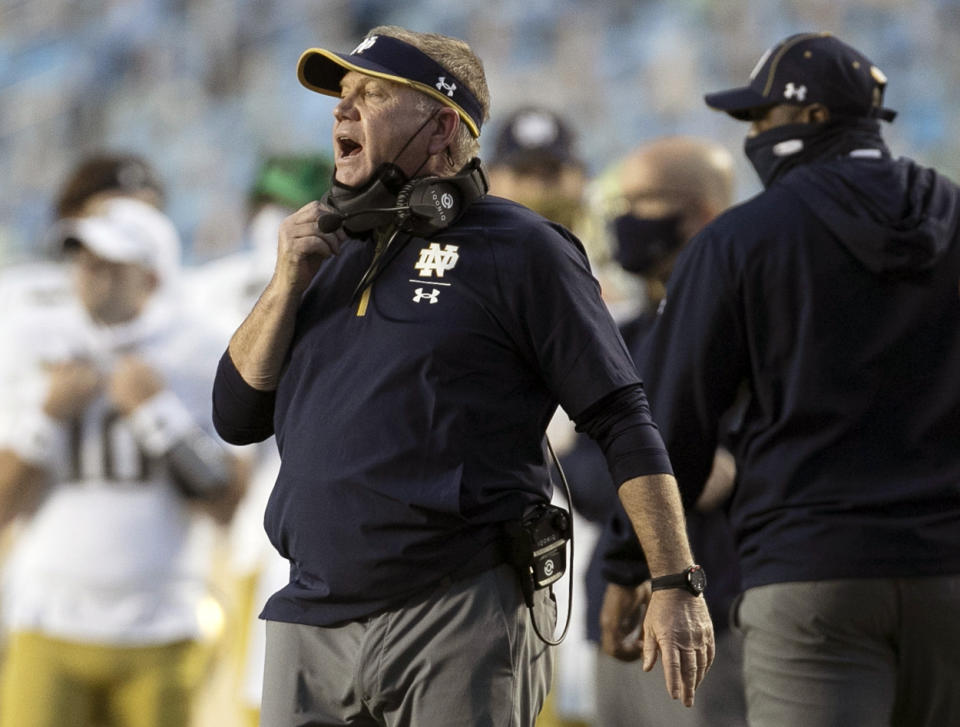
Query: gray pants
x=869 y=653
x=463 y=654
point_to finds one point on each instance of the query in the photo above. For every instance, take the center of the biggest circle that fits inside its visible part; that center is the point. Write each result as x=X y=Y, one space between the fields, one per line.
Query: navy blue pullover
x=832 y=299
x=411 y=429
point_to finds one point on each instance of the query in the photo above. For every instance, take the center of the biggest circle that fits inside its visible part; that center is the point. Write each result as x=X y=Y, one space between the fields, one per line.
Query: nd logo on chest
x=434 y=262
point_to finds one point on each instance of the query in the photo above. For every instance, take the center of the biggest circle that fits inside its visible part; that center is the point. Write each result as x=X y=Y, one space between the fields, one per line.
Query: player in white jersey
x=41 y=282
x=108 y=460
x=227 y=288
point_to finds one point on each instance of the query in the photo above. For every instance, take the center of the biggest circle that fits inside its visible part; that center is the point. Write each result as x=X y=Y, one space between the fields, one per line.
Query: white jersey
x=30 y=289
x=38 y=284
x=115 y=554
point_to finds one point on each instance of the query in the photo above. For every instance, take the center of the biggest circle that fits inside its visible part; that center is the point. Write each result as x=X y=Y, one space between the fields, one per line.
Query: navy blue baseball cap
x=383 y=56
x=809 y=68
x=533 y=134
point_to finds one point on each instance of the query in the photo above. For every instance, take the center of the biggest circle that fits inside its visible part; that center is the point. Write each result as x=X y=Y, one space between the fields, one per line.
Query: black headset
x=420 y=207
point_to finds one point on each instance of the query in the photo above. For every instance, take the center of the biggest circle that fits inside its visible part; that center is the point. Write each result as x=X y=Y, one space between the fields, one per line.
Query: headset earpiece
x=434 y=203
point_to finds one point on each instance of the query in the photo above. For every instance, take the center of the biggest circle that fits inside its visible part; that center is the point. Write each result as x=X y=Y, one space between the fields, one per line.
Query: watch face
x=697 y=579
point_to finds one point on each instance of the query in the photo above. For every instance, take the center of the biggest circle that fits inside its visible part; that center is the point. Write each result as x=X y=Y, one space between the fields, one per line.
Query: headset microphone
x=330 y=222
x=421 y=206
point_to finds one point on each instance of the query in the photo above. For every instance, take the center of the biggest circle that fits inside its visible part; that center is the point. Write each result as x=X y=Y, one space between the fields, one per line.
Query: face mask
x=775 y=151
x=778 y=150
x=643 y=243
x=369 y=205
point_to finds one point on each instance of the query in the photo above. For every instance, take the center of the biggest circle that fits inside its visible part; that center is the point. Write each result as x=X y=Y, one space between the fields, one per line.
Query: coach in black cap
x=409 y=351
x=535 y=162
x=809 y=96
x=830 y=300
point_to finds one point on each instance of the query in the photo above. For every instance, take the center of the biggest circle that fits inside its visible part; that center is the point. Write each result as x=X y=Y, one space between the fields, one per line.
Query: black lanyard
x=381 y=259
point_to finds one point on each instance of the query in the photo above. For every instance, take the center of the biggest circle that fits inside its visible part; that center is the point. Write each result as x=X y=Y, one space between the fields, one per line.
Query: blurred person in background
x=226 y=289
x=830 y=298
x=111 y=471
x=40 y=283
x=669 y=189
x=41 y=280
x=408 y=353
x=534 y=162
x=104 y=175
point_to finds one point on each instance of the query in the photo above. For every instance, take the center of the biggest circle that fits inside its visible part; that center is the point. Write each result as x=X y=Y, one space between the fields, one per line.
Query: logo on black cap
x=797 y=92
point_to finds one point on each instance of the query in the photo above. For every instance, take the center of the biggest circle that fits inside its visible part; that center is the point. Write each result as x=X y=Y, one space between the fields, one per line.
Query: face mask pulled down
x=778 y=150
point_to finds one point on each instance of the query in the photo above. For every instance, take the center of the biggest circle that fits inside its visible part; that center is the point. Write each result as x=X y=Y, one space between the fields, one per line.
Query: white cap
x=126 y=230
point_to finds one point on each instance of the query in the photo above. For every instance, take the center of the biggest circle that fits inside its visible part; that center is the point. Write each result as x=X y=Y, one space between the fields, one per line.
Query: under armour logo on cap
x=797 y=92
x=449 y=88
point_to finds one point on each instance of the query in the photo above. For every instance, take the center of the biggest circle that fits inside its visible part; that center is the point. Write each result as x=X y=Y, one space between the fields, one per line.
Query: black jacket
x=828 y=308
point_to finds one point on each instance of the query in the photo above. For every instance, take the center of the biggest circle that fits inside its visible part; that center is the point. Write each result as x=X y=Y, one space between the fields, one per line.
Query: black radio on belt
x=538 y=547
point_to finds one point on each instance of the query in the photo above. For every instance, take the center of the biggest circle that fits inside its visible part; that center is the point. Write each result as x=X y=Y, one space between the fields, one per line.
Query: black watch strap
x=693 y=580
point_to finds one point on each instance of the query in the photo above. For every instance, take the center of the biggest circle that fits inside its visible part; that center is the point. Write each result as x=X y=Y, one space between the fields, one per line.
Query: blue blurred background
x=204 y=88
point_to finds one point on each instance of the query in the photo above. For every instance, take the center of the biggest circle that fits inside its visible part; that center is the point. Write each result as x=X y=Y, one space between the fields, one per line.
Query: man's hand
x=674 y=624
x=73 y=385
x=259 y=346
x=302 y=246
x=620 y=619
x=132 y=382
x=678 y=626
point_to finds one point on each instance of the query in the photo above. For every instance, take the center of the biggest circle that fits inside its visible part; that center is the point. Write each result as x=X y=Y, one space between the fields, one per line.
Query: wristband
x=164 y=428
x=160 y=422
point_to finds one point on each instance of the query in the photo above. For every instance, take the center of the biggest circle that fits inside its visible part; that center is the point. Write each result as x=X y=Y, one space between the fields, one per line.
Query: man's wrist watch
x=693 y=580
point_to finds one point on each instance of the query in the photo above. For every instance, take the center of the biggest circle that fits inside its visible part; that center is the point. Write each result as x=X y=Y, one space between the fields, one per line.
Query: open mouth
x=347 y=147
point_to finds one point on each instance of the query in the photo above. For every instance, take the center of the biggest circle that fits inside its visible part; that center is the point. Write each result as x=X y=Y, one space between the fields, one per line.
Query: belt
x=488 y=557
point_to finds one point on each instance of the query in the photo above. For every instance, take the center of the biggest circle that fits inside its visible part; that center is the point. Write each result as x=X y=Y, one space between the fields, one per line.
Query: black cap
x=532 y=135
x=810 y=68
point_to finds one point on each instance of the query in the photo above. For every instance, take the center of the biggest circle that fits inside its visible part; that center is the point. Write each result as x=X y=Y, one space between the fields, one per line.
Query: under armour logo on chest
x=797 y=92
x=433 y=296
